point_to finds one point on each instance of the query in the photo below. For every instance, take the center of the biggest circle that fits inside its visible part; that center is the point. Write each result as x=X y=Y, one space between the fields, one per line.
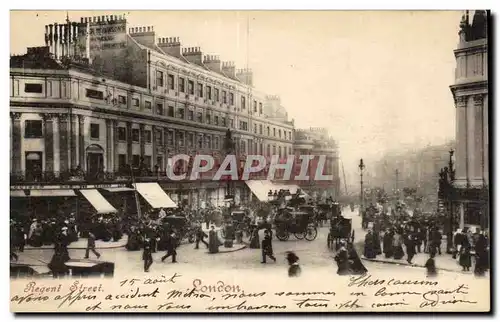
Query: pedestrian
x=465 y=258
x=91 y=246
x=200 y=236
x=342 y=259
x=369 y=249
x=147 y=255
x=436 y=240
x=430 y=265
x=356 y=267
x=213 y=241
x=387 y=243
x=171 y=248
x=294 y=269
x=410 y=247
x=267 y=247
x=255 y=240
x=481 y=250
x=398 y=245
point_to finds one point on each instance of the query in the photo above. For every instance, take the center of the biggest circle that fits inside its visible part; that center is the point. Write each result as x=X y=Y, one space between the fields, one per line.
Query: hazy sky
x=378 y=80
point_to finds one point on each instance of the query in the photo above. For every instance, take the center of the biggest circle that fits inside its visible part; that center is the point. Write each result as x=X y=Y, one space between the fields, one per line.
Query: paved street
x=312 y=254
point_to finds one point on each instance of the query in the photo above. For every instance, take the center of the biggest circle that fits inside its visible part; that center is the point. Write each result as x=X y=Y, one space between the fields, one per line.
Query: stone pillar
x=57 y=150
x=485 y=142
x=154 y=146
x=129 y=143
x=16 y=142
x=461 y=213
x=64 y=136
x=478 y=139
x=461 y=137
x=109 y=145
x=115 y=164
x=81 y=142
x=73 y=142
x=142 y=140
x=48 y=120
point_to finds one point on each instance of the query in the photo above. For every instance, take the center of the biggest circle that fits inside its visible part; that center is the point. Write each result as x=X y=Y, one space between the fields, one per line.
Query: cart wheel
x=283 y=235
x=311 y=233
x=300 y=235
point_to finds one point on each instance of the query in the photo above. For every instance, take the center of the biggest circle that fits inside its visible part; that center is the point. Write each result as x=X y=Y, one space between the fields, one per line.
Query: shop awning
x=17 y=193
x=119 y=189
x=52 y=193
x=154 y=195
x=97 y=201
x=259 y=189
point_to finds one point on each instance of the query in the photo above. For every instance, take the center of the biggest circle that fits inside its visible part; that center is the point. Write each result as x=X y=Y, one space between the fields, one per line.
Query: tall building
x=103 y=105
x=470 y=92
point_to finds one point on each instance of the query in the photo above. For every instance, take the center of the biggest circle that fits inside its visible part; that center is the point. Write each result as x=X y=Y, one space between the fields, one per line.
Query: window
x=122 y=134
x=181 y=84
x=200 y=142
x=216 y=120
x=136 y=160
x=170 y=81
x=255 y=106
x=208 y=91
x=200 y=90
x=32 y=88
x=122 y=100
x=274 y=149
x=180 y=139
x=147 y=161
x=289 y=135
x=135 y=135
x=243 y=126
x=147 y=105
x=223 y=121
x=231 y=123
x=208 y=118
x=260 y=128
x=268 y=131
x=180 y=113
x=231 y=99
x=279 y=151
x=243 y=146
x=255 y=128
x=94 y=131
x=274 y=132
x=216 y=143
x=159 y=78
x=260 y=108
x=159 y=108
x=191 y=87
x=170 y=139
x=171 y=111
x=216 y=94
x=279 y=133
x=159 y=136
x=190 y=115
x=209 y=142
x=243 y=103
x=135 y=102
x=122 y=161
x=91 y=93
x=190 y=140
x=159 y=161
x=224 y=97
x=147 y=136
x=199 y=117
x=33 y=129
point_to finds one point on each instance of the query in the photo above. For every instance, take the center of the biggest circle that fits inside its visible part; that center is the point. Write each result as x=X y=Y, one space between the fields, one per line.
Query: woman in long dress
x=213 y=241
x=356 y=267
x=397 y=244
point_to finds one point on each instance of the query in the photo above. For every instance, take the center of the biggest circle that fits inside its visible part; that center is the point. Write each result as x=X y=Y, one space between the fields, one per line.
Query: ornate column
x=115 y=164
x=109 y=145
x=461 y=137
x=129 y=143
x=142 y=140
x=154 y=145
x=81 y=141
x=48 y=120
x=477 y=171
x=64 y=135
x=74 y=141
x=485 y=142
x=16 y=142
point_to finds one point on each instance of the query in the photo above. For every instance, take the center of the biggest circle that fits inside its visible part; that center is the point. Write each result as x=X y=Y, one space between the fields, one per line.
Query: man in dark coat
x=294 y=269
x=410 y=246
x=200 y=237
x=171 y=245
x=369 y=249
x=91 y=246
x=267 y=247
x=147 y=255
x=342 y=259
x=387 y=243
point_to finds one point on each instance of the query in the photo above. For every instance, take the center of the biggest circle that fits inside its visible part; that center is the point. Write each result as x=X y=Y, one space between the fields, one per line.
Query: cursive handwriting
x=432 y=297
x=73 y=297
x=243 y=306
x=129 y=307
x=386 y=304
x=134 y=293
x=351 y=304
x=161 y=279
x=76 y=286
x=219 y=287
x=29 y=298
x=367 y=280
x=172 y=306
x=32 y=287
x=191 y=293
x=303 y=293
x=242 y=295
x=383 y=292
x=306 y=303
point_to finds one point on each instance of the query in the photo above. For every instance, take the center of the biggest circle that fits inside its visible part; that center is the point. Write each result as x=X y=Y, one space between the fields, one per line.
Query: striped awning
x=155 y=195
x=52 y=193
x=100 y=204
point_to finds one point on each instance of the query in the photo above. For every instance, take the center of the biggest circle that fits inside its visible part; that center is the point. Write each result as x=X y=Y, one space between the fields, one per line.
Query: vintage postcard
x=249 y=161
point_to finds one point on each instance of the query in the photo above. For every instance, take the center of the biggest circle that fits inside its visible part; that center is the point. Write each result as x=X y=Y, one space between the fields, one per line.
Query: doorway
x=95 y=160
x=33 y=165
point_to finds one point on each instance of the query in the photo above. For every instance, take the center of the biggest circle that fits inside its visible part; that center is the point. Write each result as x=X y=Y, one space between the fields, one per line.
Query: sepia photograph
x=249 y=161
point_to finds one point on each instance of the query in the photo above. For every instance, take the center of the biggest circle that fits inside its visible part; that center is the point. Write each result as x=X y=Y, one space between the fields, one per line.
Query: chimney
x=171 y=46
x=212 y=62
x=245 y=76
x=229 y=69
x=193 y=55
x=143 y=35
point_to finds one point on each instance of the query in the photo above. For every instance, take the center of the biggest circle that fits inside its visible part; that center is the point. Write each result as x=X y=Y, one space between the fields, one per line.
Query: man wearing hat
x=147 y=255
x=293 y=262
x=91 y=246
x=267 y=247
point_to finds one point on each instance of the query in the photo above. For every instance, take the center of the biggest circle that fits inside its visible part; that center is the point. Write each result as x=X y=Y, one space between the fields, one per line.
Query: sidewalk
x=82 y=244
x=443 y=262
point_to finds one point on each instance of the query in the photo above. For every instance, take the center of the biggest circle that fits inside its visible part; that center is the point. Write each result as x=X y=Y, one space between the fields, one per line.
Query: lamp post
x=449 y=201
x=362 y=197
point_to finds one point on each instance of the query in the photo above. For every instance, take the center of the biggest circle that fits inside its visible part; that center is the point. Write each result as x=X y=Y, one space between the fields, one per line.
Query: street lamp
x=362 y=198
x=449 y=197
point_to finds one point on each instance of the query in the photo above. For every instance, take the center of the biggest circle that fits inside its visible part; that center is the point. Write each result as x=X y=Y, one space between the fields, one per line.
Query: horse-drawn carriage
x=340 y=230
x=300 y=224
x=181 y=226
